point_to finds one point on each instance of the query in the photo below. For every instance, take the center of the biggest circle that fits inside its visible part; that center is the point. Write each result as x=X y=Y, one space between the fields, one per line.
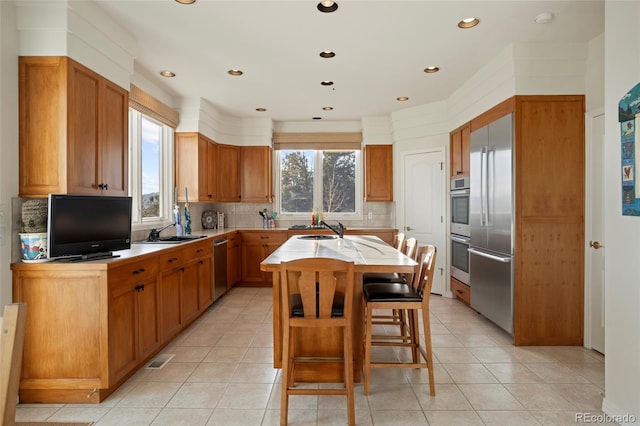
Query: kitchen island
x=370 y=254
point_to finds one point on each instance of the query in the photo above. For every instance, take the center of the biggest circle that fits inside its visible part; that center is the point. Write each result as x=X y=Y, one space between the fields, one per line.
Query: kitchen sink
x=175 y=239
x=317 y=237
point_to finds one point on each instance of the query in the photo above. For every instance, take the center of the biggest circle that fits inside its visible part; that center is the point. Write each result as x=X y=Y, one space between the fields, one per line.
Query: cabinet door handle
x=199 y=250
x=201 y=262
x=173 y=259
x=138 y=271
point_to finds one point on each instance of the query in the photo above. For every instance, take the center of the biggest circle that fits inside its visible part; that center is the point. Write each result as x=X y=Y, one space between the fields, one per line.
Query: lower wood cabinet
x=91 y=325
x=256 y=246
x=233 y=259
x=461 y=291
x=134 y=316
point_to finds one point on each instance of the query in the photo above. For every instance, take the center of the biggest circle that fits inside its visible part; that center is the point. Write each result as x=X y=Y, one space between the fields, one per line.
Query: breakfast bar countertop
x=369 y=253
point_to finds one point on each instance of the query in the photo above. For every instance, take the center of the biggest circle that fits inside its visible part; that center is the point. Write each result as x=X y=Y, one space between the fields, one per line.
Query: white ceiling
x=382 y=48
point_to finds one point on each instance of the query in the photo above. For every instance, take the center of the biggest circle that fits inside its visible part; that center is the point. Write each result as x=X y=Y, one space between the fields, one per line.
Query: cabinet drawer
x=139 y=271
x=197 y=250
x=171 y=258
x=461 y=291
x=274 y=237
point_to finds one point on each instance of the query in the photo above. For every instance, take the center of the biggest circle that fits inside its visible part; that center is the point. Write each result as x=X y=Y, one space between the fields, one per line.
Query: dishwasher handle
x=220 y=242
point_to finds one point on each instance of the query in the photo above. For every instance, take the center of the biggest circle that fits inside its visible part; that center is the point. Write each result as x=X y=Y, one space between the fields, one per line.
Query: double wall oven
x=459 y=235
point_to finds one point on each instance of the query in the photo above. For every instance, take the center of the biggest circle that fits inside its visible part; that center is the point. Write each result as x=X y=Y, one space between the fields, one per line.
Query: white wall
x=622 y=265
x=8 y=141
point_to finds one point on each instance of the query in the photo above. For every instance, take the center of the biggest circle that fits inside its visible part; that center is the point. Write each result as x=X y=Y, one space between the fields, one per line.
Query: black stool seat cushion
x=382 y=277
x=390 y=292
x=337 y=309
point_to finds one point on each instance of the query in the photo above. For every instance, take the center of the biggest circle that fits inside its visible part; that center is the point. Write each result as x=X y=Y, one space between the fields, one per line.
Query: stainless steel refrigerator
x=491 y=207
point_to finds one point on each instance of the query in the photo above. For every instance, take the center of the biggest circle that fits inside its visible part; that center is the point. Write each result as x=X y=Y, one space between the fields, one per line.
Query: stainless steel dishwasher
x=219 y=267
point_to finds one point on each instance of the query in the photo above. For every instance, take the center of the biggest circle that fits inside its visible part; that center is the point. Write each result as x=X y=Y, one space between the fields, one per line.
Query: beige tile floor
x=222 y=374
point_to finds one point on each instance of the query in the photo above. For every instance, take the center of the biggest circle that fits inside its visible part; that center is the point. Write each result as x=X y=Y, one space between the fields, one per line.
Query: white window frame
x=317 y=188
x=135 y=173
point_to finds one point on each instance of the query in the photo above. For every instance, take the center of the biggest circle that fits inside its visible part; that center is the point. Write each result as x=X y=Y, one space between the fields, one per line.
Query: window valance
x=152 y=107
x=319 y=141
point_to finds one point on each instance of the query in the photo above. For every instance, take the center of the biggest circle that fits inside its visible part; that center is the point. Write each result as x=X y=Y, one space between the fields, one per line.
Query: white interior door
x=424 y=206
x=595 y=236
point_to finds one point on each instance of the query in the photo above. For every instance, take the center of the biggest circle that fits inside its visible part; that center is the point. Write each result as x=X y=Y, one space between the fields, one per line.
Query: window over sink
x=322 y=179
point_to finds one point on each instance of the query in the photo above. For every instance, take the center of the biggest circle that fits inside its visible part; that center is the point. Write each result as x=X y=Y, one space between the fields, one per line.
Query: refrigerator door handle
x=483 y=189
x=503 y=259
x=489 y=183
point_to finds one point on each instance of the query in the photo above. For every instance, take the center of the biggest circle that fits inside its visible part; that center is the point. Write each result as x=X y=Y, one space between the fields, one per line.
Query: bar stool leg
x=367 y=346
x=427 y=347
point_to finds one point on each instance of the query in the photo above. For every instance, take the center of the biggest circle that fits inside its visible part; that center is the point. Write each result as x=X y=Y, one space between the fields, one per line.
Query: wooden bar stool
x=316 y=293
x=402 y=296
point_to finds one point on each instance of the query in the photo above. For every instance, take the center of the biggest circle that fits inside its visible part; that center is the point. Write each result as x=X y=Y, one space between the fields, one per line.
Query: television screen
x=84 y=225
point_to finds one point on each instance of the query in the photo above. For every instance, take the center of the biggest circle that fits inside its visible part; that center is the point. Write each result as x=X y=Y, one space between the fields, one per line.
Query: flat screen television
x=87 y=226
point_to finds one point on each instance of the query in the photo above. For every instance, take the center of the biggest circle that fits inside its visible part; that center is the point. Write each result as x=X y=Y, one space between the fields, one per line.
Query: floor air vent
x=160 y=361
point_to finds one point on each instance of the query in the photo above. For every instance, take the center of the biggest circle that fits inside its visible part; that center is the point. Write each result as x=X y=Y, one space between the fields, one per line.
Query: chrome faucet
x=154 y=234
x=339 y=231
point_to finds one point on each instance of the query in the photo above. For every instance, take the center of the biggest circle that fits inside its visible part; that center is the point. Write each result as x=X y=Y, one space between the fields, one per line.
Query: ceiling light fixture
x=327 y=6
x=261 y=109
x=327 y=83
x=402 y=98
x=468 y=23
x=235 y=72
x=327 y=108
x=327 y=54
x=544 y=18
x=186 y=1
x=431 y=70
x=167 y=73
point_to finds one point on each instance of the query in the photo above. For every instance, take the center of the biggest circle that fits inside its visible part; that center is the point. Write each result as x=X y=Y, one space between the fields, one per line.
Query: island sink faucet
x=339 y=231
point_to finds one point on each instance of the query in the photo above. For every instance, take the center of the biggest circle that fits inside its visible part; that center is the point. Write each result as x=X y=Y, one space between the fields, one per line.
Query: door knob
x=408 y=228
x=596 y=245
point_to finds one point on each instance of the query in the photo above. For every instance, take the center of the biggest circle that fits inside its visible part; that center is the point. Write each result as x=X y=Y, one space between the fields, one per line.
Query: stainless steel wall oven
x=459 y=197
x=460 y=258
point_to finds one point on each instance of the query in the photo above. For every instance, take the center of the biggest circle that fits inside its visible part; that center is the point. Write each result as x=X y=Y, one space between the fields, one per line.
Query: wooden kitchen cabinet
x=134 y=321
x=186 y=285
x=233 y=257
x=196 y=167
x=73 y=134
x=228 y=173
x=459 y=150
x=255 y=177
x=461 y=291
x=378 y=172
x=95 y=323
x=256 y=246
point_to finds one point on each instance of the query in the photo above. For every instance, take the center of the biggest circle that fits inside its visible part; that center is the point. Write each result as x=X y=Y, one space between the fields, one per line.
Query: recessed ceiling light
x=235 y=72
x=327 y=6
x=261 y=109
x=544 y=18
x=327 y=54
x=186 y=1
x=468 y=22
x=327 y=108
x=317 y=118
x=167 y=73
x=430 y=70
x=326 y=83
x=402 y=98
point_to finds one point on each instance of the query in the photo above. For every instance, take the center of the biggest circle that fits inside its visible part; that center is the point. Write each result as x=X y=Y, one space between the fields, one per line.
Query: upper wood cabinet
x=228 y=173
x=460 y=160
x=256 y=180
x=196 y=166
x=73 y=130
x=378 y=170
